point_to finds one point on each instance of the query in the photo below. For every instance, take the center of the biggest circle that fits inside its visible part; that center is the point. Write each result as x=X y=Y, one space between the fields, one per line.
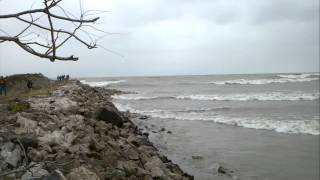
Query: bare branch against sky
x=48 y=50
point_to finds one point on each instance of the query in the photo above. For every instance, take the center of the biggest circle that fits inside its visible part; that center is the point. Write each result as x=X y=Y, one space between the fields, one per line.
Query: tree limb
x=55 y=41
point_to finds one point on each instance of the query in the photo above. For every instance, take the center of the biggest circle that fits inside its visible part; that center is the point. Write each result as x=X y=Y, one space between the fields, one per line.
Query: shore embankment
x=67 y=130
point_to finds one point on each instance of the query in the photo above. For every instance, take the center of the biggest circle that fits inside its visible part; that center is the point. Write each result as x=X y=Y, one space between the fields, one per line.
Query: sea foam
x=282 y=126
x=272 y=96
x=281 y=78
x=101 y=83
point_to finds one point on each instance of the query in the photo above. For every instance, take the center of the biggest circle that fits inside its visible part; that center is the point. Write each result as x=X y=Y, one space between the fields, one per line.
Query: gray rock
x=82 y=173
x=115 y=174
x=197 y=157
x=154 y=167
x=34 y=172
x=132 y=154
x=217 y=168
x=11 y=153
x=129 y=167
x=36 y=155
x=55 y=175
x=110 y=115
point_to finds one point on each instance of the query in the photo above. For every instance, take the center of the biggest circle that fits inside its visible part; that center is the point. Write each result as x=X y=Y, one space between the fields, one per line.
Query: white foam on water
x=282 y=78
x=135 y=97
x=296 y=76
x=282 y=126
x=101 y=83
x=262 y=81
x=272 y=96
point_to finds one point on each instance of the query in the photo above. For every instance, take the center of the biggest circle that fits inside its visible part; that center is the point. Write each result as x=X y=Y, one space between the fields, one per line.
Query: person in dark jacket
x=29 y=84
x=3 y=86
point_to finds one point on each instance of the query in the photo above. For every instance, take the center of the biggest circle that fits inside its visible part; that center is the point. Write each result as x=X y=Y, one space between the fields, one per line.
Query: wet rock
x=110 y=115
x=219 y=169
x=143 y=117
x=197 y=157
x=82 y=173
x=145 y=134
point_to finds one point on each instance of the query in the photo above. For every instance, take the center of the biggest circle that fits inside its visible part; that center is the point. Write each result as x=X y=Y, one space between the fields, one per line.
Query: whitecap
x=101 y=83
x=272 y=96
x=263 y=81
x=282 y=126
x=281 y=78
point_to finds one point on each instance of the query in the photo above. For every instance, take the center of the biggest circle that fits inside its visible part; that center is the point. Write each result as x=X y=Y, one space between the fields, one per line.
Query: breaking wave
x=281 y=126
x=288 y=78
x=101 y=83
x=273 y=96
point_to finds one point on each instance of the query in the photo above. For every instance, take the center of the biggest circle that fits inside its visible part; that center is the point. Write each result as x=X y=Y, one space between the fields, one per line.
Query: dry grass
x=39 y=92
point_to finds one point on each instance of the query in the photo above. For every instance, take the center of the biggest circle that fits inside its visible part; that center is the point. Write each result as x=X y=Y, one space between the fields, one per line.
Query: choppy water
x=283 y=103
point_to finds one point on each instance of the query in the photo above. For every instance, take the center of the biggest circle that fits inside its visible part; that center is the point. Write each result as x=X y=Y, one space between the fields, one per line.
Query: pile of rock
x=77 y=133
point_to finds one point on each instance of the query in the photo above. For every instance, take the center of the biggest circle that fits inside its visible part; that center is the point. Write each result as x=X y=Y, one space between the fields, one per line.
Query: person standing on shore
x=3 y=86
x=29 y=84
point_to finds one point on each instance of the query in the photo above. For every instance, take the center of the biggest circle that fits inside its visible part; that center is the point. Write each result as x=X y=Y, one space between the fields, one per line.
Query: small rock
x=82 y=173
x=153 y=166
x=169 y=132
x=197 y=157
x=36 y=155
x=115 y=174
x=130 y=167
x=11 y=153
x=143 y=117
x=55 y=175
x=34 y=172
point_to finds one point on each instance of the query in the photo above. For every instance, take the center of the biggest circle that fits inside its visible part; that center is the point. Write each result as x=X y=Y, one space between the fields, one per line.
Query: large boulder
x=110 y=115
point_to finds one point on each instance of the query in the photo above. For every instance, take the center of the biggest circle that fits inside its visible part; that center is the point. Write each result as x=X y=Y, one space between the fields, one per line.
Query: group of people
x=3 y=86
x=63 y=77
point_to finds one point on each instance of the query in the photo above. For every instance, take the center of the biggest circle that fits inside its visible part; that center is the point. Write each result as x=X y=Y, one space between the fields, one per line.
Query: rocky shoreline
x=75 y=132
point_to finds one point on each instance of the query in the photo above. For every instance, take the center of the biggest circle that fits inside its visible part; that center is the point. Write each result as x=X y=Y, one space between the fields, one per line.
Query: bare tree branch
x=49 y=50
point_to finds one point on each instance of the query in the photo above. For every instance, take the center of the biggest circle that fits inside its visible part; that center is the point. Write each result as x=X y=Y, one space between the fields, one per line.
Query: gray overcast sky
x=175 y=37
